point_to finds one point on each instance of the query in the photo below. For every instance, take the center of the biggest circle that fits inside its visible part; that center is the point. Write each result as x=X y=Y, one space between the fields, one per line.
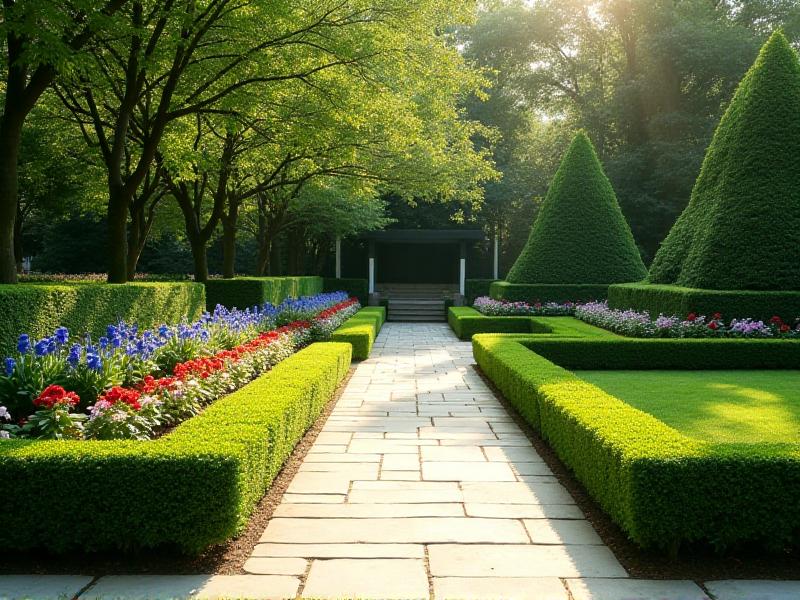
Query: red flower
x=784 y=328
x=55 y=394
x=713 y=325
x=716 y=316
x=691 y=317
x=123 y=395
x=776 y=320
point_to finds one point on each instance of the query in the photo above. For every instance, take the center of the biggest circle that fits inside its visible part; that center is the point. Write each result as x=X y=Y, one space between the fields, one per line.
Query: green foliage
x=466 y=322
x=360 y=330
x=713 y=406
x=38 y=308
x=544 y=292
x=244 y=292
x=475 y=288
x=661 y=487
x=680 y=301
x=741 y=230
x=190 y=489
x=357 y=288
x=580 y=234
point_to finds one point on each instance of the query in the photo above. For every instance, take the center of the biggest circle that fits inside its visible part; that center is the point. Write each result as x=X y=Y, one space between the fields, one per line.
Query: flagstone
x=500 y=588
x=373 y=578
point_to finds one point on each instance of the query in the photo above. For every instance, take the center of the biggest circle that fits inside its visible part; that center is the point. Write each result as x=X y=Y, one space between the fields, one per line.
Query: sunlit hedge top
x=741 y=229
x=580 y=234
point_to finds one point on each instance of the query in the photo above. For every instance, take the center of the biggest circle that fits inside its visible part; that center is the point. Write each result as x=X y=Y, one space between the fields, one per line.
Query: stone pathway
x=420 y=485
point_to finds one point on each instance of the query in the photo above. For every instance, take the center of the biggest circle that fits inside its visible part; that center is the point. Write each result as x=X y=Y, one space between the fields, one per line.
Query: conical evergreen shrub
x=580 y=235
x=741 y=229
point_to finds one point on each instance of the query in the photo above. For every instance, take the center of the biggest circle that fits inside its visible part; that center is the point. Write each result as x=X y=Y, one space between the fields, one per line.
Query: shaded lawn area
x=716 y=406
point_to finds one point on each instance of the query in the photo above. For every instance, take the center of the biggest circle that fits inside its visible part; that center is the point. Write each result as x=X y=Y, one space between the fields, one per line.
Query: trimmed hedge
x=361 y=329
x=680 y=301
x=39 y=308
x=741 y=228
x=580 y=234
x=243 y=292
x=661 y=487
x=466 y=322
x=475 y=288
x=357 y=288
x=190 y=489
x=544 y=292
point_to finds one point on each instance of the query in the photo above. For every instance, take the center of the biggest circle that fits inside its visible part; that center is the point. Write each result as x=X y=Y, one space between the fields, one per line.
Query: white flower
x=4 y=414
x=4 y=435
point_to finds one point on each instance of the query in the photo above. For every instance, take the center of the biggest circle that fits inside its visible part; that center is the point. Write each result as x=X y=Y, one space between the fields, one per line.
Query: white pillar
x=371 y=275
x=496 y=257
x=462 y=278
x=339 y=257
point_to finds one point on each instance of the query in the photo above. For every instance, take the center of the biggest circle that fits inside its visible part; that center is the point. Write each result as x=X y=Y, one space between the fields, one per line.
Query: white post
x=496 y=257
x=339 y=257
x=371 y=275
x=462 y=276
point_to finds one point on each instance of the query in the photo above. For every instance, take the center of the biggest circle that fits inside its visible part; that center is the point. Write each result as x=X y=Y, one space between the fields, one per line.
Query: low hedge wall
x=361 y=329
x=243 y=292
x=357 y=288
x=547 y=292
x=39 y=308
x=189 y=489
x=680 y=301
x=662 y=487
x=475 y=288
x=466 y=322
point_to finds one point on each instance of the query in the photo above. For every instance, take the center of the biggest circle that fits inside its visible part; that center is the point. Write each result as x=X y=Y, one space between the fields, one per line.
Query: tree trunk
x=229 y=228
x=18 y=251
x=135 y=242
x=275 y=266
x=10 y=139
x=118 y=203
x=200 y=261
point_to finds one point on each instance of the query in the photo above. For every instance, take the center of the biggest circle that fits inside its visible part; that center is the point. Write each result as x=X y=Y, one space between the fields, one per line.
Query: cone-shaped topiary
x=580 y=234
x=741 y=229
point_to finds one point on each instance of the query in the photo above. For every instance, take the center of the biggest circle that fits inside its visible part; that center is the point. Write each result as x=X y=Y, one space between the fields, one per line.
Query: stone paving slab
x=202 y=587
x=498 y=560
x=372 y=578
x=341 y=550
x=19 y=587
x=754 y=590
x=499 y=588
x=634 y=589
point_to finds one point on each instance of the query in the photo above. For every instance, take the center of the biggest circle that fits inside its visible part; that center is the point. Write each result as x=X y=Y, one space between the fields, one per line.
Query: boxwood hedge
x=361 y=329
x=547 y=292
x=732 y=304
x=661 y=487
x=242 y=292
x=357 y=288
x=466 y=322
x=190 y=489
x=38 y=308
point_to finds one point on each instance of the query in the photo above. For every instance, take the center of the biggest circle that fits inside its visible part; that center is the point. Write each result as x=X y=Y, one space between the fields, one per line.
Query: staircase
x=417 y=302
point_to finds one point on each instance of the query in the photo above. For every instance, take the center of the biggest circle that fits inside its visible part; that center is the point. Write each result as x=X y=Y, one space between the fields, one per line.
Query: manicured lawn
x=717 y=406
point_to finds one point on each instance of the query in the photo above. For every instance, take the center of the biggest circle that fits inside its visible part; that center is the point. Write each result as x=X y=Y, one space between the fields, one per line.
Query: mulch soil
x=226 y=559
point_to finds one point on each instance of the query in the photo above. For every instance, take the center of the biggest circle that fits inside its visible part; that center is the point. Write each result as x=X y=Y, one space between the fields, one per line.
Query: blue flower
x=10 y=364
x=103 y=341
x=74 y=356
x=41 y=348
x=62 y=335
x=24 y=343
x=93 y=361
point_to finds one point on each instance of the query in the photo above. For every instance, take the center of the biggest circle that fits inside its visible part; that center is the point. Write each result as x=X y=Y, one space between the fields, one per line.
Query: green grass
x=716 y=406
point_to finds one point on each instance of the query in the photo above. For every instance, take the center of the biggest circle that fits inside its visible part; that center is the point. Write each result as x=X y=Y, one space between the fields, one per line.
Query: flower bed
x=502 y=308
x=133 y=385
x=635 y=323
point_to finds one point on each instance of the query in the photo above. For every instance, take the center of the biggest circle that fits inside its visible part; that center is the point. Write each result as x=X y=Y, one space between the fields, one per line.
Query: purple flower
x=10 y=365
x=62 y=335
x=24 y=343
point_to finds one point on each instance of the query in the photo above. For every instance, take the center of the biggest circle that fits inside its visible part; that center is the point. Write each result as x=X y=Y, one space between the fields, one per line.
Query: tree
x=41 y=38
x=741 y=229
x=580 y=234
